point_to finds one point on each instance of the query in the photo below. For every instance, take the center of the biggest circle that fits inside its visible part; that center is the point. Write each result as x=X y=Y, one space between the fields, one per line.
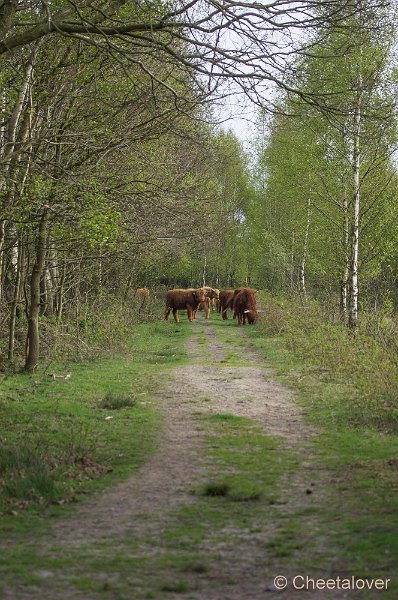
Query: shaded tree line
x=109 y=180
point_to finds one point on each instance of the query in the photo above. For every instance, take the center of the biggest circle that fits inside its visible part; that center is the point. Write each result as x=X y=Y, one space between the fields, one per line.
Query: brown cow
x=244 y=305
x=141 y=294
x=215 y=301
x=211 y=294
x=188 y=300
x=225 y=301
x=205 y=305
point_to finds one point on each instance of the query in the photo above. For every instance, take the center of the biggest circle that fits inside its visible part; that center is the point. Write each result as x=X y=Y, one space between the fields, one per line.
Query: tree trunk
x=2 y=239
x=9 y=138
x=204 y=270
x=60 y=295
x=292 y=264
x=346 y=267
x=302 y=287
x=353 y=296
x=14 y=303
x=43 y=295
x=33 y=344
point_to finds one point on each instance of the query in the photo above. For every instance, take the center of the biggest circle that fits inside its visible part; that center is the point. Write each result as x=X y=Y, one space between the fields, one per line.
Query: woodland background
x=115 y=172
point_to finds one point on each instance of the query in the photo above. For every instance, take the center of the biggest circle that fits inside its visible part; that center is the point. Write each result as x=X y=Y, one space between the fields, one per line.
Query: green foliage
x=100 y=223
x=366 y=361
x=304 y=155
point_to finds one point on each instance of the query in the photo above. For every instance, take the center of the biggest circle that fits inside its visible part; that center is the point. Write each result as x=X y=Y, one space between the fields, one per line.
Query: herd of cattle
x=241 y=301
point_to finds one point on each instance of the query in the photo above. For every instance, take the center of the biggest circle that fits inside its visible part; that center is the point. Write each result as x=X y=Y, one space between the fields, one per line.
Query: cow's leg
x=190 y=313
x=207 y=310
x=175 y=315
x=166 y=314
x=224 y=313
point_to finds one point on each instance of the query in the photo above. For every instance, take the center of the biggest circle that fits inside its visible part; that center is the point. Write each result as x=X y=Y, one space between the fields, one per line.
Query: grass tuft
x=178 y=587
x=216 y=489
x=116 y=401
x=249 y=495
x=26 y=475
x=195 y=567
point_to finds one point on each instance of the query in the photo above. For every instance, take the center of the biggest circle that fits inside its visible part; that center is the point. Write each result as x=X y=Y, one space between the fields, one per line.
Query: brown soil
x=142 y=506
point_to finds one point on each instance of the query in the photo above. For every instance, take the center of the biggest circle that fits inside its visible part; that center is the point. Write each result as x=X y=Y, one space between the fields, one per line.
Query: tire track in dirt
x=163 y=482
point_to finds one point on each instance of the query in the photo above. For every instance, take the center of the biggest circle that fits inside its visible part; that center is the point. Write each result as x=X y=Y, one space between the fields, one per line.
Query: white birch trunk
x=292 y=263
x=9 y=136
x=14 y=304
x=204 y=270
x=354 y=290
x=2 y=122
x=346 y=267
x=305 y=251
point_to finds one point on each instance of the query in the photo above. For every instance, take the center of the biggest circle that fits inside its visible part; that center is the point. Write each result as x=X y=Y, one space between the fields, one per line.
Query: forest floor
x=234 y=496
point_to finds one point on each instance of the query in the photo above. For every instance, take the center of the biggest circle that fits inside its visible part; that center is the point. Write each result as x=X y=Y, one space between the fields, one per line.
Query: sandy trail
x=163 y=481
x=142 y=505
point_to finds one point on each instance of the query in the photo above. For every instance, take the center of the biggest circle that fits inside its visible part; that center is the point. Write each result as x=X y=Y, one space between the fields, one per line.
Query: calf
x=212 y=294
x=205 y=306
x=141 y=294
x=188 y=300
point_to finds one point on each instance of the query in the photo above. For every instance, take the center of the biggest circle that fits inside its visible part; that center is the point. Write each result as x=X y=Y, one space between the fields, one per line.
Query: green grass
x=239 y=455
x=357 y=447
x=248 y=488
x=116 y=401
x=63 y=439
x=241 y=482
x=364 y=364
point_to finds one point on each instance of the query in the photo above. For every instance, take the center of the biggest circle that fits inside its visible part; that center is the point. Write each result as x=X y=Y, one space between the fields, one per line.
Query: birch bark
x=354 y=290
x=302 y=287
x=346 y=267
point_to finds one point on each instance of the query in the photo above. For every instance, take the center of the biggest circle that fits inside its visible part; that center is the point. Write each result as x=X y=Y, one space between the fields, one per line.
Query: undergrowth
x=366 y=362
x=86 y=331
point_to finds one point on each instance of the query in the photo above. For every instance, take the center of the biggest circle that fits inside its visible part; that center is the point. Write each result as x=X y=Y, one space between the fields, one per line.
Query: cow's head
x=212 y=293
x=199 y=294
x=252 y=316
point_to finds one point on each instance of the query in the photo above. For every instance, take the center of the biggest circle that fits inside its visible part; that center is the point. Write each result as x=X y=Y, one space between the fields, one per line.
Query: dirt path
x=142 y=507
